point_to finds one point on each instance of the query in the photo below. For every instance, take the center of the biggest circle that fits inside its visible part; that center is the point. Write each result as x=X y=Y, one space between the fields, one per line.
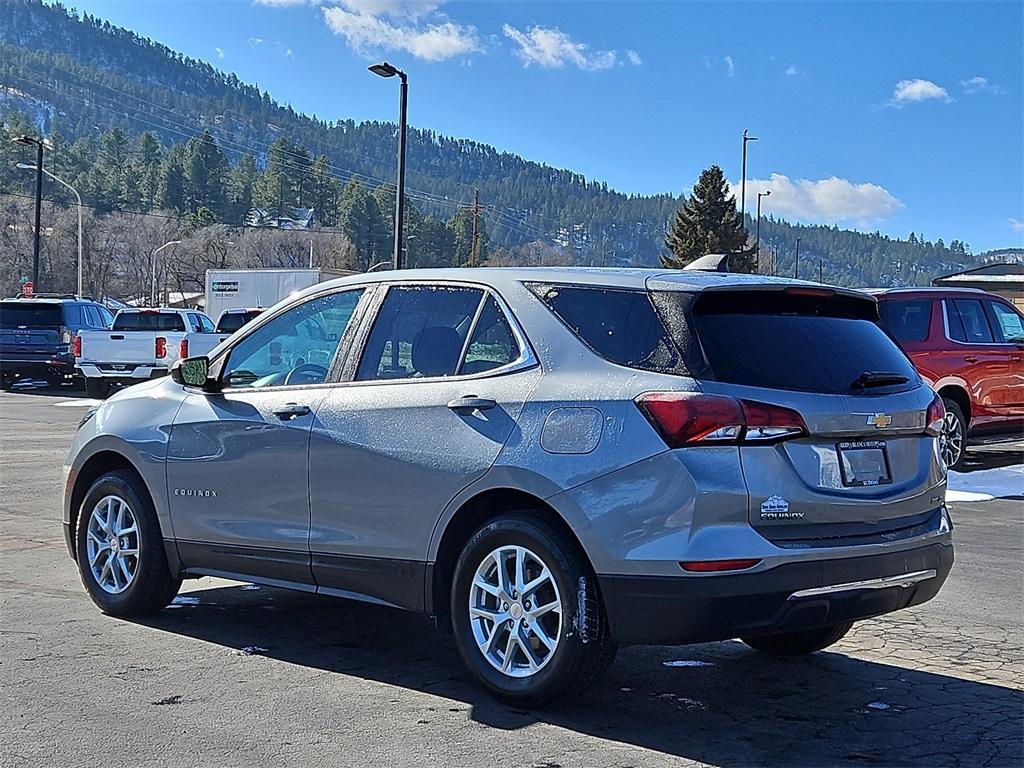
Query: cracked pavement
x=245 y=676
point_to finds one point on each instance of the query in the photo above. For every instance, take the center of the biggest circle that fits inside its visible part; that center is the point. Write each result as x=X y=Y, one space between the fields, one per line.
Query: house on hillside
x=1006 y=280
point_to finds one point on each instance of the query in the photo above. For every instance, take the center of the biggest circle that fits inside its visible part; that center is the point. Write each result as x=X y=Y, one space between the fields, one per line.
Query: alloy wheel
x=113 y=544
x=515 y=611
x=951 y=441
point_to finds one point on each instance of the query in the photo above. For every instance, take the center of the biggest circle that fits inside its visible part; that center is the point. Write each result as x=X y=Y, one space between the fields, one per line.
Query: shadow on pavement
x=740 y=708
x=992 y=458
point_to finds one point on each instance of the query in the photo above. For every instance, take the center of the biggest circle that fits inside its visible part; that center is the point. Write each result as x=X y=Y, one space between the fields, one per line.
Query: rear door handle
x=292 y=411
x=970 y=359
x=472 y=403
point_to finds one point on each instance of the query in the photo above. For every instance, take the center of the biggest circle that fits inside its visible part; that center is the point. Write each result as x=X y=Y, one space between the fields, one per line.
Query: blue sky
x=900 y=116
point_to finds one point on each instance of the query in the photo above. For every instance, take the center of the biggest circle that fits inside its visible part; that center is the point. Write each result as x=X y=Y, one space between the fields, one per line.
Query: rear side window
x=622 y=326
x=148 y=321
x=1007 y=322
x=967 y=322
x=778 y=342
x=25 y=314
x=419 y=332
x=492 y=344
x=206 y=323
x=906 y=319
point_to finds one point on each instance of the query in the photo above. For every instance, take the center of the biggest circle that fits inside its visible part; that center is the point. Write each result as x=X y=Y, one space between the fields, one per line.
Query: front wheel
x=526 y=613
x=953 y=439
x=798 y=643
x=120 y=549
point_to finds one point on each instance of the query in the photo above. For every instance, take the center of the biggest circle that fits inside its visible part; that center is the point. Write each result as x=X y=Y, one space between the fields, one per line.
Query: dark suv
x=36 y=335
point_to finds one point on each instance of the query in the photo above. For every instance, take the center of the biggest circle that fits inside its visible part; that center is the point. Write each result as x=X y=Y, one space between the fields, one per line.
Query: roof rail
x=53 y=296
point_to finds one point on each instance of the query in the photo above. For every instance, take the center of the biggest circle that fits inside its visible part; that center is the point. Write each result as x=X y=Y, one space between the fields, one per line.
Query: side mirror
x=192 y=372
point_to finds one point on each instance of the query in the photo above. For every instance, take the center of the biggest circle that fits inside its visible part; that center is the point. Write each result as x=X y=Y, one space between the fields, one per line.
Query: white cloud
x=430 y=42
x=288 y=53
x=979 y=84
x=255 y=42
x=907 y=91
x=791 y=70
x=730 y=70
x=396 y=9
x=634 y=58
x=283 y=3
x=551 y=48
x=1016 y=225
x=824 y=201
x=220 y=52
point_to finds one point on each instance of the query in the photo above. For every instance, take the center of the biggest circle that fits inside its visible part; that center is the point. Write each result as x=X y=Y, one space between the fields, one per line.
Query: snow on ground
x=986 y=484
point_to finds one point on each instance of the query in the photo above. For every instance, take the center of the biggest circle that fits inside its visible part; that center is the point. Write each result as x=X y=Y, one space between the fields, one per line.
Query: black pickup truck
x=37 y=333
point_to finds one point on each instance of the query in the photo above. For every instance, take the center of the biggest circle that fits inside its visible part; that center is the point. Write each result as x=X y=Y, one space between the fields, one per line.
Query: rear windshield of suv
x=148 y=321
x=18 y=314
x=780 y=341
x=231 y=321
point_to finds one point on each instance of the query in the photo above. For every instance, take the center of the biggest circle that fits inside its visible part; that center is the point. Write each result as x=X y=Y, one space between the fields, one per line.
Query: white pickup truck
x=141 y=344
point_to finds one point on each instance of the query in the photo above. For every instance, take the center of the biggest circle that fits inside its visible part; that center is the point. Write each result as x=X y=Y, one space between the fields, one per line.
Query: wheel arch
x=959 y=395
x=97 y=465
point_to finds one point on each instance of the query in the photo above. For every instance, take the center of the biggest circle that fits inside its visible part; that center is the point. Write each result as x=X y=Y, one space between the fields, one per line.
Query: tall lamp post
x=39 y=144
x=757 y=227
x=743 y=175
x=152 y=273
x=78 y=197
x=387 y=70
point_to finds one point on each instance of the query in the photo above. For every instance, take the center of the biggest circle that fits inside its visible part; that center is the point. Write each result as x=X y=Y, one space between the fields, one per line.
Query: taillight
x=160 y=347
x=76 y=346
x=183 y=349
x=935 y=417
x=690 y=418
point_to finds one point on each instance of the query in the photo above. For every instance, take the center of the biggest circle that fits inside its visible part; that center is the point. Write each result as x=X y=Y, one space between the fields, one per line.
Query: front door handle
x=472 y=403
x=292 y=411
x=970 y=359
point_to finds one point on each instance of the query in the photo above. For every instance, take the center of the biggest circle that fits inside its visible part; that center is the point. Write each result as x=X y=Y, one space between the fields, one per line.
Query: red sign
x=26 y=288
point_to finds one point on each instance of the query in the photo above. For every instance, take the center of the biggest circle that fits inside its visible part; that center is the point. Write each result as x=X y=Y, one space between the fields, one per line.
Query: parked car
x=969 y=346
x=551 y=462
x=231 y=320
x=36 y=335
x=140 y=344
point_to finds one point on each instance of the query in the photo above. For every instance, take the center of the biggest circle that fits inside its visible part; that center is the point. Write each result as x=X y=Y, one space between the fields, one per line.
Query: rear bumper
x=654 y=610
x=36 y=367
x=109 y=372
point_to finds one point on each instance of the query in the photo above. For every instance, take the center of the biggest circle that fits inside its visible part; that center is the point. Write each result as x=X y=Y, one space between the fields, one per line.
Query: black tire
x=954 y=435
x=7 y=382
x=584 y=649
x=97 y=389
x=798 y=643
x=153 y=585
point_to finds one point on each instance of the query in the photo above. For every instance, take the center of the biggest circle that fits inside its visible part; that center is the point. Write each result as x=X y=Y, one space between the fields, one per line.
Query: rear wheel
x=953 y=440
x=798 y=643
x=120 y=549
x=527 y=617
x=7 y=381
x=97 y=389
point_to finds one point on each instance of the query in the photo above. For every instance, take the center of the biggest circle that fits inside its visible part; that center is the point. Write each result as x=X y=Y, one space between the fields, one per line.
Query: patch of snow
x=986 y=484
x=878 y=705
x=250 y=587
x=78 y=402
x=687 y=663
x=185 y=600
x=250 y=650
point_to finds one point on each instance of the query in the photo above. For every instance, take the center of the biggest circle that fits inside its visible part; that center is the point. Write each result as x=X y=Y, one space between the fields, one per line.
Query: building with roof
x=1005 y=279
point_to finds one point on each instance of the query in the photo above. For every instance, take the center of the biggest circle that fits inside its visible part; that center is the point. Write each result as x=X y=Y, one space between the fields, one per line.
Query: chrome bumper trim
x=906 y=580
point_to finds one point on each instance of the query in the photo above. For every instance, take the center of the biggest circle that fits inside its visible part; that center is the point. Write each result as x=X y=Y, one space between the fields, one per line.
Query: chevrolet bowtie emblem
x=879 y=420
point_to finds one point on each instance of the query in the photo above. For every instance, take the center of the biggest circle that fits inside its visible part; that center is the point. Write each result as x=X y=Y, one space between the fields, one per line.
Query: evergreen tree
x=461 y=227
x=241 y=181
x=708 y=222
x=146 y=164
x=172 y=180
x=360 y=219
x=323 y=195
x=206 y=174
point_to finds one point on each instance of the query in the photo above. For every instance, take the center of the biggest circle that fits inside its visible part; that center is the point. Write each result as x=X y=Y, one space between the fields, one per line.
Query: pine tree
x=708 y=222
x=241 y=181
x=360 y=218
x=146 y=164
x=206 y=175
x=323 y=194
x=172 y=180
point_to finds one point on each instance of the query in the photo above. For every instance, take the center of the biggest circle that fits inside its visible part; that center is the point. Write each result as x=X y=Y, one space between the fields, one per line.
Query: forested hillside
x=139 y=128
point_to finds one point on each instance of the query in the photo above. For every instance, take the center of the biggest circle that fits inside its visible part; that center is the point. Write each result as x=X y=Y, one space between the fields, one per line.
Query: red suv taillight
x=691 y=418
x=76 y=346
x=183 y=349
x=935 y=416
x=160 y=347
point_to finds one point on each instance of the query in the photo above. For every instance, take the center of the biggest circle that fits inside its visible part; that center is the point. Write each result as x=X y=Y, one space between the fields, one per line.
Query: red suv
x=969 y=345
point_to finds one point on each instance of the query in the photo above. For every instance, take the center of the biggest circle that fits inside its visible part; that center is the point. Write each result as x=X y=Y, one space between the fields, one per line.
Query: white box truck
x=258 y=288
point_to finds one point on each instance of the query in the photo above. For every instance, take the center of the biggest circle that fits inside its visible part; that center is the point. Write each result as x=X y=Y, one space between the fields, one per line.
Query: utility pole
x=820 y=270
x=796 y=262
x=39 y=143
x=476 y=214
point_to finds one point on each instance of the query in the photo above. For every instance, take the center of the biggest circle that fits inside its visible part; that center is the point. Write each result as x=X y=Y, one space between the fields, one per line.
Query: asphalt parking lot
x=236 y=675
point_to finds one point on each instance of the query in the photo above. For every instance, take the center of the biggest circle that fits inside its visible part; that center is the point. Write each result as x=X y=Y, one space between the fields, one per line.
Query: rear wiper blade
x=878 y=379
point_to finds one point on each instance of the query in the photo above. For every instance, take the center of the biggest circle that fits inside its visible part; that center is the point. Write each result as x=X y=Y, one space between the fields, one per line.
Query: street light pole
x=796 y=263
x=39 y=144
x=152 y=274
x=757 y=237
x=387 y=70
x=78 y=197
x=743 y=176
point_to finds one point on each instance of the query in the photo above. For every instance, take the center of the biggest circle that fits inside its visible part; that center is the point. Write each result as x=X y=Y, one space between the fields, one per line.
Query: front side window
x=295 y=348
x=970 y=324
x=906 y=319
x=1008 y=323
x=419 y=332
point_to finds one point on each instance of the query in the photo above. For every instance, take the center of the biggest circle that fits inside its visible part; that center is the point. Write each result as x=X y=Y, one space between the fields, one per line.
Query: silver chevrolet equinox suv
x=551 y=462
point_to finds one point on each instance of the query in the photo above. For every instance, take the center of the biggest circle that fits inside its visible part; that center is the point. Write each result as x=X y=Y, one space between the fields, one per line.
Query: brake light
x=183 y=349
x=690 y=418
x=713 y=566
x=160 y=344
x=935 y=416
x=76 y=346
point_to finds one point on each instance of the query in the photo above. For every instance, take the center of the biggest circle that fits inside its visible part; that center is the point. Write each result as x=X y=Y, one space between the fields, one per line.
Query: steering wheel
x=305 y=369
